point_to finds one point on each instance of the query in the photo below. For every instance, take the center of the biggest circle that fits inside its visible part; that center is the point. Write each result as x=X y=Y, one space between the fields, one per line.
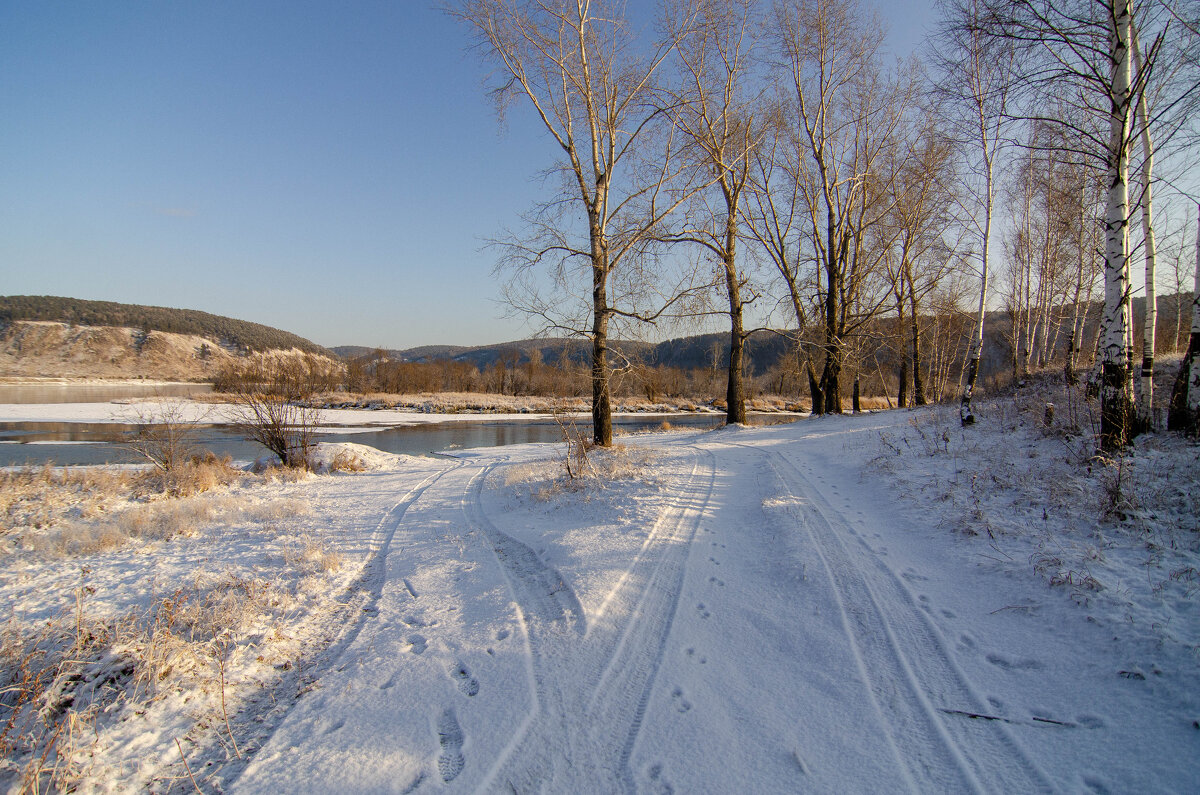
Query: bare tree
x=283 y=425
x=1185 y=398
x=167 y=431
x=579 y=67
x=1145 y=407
x=1069 y=47
x=275 y=408
x=846 y=111
x=916 y=225
x=976 y=73
x=774 y=215
x=714 y=113
x=1179 y=256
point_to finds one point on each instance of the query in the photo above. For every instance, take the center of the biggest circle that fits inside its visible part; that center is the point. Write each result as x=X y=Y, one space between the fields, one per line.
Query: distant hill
x=236 y=335
x=763 y=351
x=423 y=353
x=885 y=345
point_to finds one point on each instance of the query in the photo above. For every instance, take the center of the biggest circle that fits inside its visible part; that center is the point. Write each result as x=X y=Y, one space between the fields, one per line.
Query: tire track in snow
x=591 y=687
x=375 y=571
x=358 y=604
x=903 y=659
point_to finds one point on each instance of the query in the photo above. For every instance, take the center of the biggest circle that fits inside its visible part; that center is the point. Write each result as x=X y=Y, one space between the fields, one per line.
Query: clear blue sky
x=331 y=169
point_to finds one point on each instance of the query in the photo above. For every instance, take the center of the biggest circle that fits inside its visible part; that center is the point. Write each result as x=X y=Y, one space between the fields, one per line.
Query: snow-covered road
x=741 y=616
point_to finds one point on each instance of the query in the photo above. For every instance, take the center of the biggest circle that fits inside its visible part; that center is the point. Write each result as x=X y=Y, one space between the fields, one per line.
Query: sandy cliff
x=58 y=350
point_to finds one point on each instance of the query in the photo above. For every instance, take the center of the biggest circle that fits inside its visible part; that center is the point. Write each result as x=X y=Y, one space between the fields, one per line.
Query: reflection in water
x=95 y=393
x=69 y=443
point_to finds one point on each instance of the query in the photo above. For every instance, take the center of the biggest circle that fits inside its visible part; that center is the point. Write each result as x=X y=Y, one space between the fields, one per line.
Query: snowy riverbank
x=871 y=603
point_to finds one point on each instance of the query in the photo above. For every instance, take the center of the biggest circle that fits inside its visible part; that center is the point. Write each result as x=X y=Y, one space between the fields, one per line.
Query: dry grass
x=545 y=479
x=58 y=678
x=154 y=521
x=59 y=513
x=38 y=497
x=345 y=461
x=311 y=556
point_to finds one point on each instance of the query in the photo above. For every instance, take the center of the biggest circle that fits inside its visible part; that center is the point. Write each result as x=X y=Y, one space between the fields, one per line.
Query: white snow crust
x=870 y=603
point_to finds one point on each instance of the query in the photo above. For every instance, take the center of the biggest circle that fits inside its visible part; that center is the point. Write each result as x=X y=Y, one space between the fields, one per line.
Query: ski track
x=920 y=694
x=591 y=684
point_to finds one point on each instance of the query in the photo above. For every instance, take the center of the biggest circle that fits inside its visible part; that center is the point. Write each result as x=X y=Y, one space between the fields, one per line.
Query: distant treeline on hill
x=231 y=333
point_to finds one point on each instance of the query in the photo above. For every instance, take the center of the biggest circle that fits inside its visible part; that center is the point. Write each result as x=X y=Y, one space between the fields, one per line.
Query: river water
x=75 y=443
x=96 y=392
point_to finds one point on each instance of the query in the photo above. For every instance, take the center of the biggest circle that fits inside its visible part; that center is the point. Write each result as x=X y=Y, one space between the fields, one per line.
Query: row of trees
x=768 y=157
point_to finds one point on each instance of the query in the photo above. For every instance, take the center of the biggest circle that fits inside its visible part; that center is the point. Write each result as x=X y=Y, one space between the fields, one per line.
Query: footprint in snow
x=703 y=612
x=450 y=761
x=468 y=684
x=658 y=784
x=681 y=704
x=417 y=643
x=1013 y=665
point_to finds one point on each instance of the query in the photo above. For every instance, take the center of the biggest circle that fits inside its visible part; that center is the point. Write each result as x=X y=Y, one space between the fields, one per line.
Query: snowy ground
x=850 y=604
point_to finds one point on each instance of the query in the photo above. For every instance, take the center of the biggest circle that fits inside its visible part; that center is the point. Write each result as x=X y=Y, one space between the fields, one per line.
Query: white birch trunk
x=1114 y=387
x=1193 y=399
x=1146 y=399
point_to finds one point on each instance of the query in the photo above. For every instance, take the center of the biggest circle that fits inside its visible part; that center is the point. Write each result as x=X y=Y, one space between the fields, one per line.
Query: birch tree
x=1146 y=396
x=1079 y=51
x=976 y=73
x=1114 y=396
x=1084 y=48
x=581 y=70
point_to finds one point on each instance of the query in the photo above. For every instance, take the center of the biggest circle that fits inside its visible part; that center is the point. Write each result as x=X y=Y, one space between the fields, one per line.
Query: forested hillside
x=236 y=335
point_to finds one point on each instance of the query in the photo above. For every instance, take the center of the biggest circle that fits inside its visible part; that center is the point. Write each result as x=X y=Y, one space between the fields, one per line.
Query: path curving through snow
x=740 y=617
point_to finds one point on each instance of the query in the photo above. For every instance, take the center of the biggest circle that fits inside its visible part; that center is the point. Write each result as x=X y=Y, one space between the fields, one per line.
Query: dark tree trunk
x=830 y=382
x=1180 y=417
x=814 y=389
x=918 y=382
x=735 y=392
x=1115 y=410
x=602 y=432
x=902 y=399
x=855 y=403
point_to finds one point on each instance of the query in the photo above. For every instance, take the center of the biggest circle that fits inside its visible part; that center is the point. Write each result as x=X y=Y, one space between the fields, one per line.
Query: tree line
x=739 y=159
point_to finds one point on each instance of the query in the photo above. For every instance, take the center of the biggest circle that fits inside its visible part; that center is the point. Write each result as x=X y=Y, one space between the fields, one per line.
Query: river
x=77 y=443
